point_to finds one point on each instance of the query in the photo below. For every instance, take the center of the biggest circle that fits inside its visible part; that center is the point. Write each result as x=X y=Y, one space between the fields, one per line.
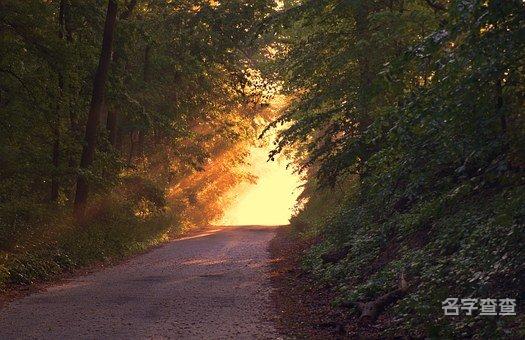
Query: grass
x=57 y=244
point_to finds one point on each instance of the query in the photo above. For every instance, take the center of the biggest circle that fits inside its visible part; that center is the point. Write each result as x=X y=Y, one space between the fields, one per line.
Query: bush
x=39 y=241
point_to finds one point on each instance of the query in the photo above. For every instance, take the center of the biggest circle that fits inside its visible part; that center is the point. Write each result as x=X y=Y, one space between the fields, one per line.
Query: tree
x=97 y=99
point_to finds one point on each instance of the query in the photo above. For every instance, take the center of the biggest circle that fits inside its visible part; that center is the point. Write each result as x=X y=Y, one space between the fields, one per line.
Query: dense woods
x=405 y=118
x=106 y=106
x=408 y=121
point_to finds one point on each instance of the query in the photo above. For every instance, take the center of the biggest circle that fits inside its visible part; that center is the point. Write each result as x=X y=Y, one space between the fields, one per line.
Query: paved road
x=210 y=286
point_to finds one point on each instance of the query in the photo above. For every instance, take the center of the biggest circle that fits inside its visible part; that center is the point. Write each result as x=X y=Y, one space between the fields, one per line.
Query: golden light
x=271 y=198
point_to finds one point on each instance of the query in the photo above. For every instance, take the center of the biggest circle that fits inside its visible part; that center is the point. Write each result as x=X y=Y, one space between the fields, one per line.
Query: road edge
x=18 y=291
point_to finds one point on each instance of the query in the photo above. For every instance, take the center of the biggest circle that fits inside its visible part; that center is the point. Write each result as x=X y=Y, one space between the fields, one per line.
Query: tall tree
x=55 y=185
x=97 y=99
x=112 y=118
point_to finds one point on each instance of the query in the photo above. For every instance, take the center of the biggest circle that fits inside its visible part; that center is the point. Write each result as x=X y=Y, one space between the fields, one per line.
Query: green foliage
x=176 y=67
x=456 y=245
x=411 y=119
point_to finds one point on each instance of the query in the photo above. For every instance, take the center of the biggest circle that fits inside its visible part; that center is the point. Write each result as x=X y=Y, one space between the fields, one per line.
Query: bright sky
x=271 y=199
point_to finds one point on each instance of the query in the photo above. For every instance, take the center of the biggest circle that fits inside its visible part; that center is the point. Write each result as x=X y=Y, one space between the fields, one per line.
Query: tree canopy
x=174 y=65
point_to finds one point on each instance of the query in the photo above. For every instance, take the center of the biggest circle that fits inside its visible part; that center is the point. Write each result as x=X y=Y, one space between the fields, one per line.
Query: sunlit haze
x=271 y=199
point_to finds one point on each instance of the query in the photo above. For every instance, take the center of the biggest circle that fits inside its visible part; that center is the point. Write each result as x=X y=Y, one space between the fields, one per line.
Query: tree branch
x=371 y=310
x=129 y=10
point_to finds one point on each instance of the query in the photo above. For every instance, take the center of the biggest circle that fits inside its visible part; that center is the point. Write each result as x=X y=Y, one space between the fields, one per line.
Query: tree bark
x=131 y=147
x=120 y=142
x=66 y=25
x=55 y=186
x=141 y=142
x=66 y=31
x=111 y=125
x=97 y=99
x=499 y=106
x=371 y=310
x=112 y=118
x=146 y=70
x=146 y=74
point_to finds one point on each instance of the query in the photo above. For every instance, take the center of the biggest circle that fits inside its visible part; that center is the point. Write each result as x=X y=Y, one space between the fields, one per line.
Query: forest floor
x=303 y=307
x=209 y=285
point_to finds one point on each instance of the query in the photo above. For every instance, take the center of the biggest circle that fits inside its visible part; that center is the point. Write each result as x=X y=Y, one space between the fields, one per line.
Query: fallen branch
x=371 y=310
x=336 y=255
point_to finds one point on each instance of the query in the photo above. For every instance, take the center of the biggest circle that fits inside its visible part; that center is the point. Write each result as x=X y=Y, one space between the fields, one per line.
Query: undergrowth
x=40 y=241
x=465 y=242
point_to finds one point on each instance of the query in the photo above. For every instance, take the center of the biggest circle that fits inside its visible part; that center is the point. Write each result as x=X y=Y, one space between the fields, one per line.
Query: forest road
x=210 y=286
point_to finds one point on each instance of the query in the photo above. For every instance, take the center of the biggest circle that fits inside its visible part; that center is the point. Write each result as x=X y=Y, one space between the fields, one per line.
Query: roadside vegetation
x=408 y=123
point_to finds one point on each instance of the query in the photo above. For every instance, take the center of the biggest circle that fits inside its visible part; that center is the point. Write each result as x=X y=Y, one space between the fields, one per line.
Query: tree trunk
x=66 y=31
x=120 y=142
x=146 y=76
x=141 y=143
x=73 y=129
x=99 y=84
x=111 y=125
x=146 y=70
x=112 y=118
x=66 y=25
x=55 y=186
x=131 y=147
x=371 y=310
x=499 y=107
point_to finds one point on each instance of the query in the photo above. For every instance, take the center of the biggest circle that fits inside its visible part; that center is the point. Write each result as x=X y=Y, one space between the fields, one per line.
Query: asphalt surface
x=209 y=286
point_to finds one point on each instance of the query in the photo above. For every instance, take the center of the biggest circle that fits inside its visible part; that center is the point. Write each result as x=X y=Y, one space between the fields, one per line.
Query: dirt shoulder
x=302 y=307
